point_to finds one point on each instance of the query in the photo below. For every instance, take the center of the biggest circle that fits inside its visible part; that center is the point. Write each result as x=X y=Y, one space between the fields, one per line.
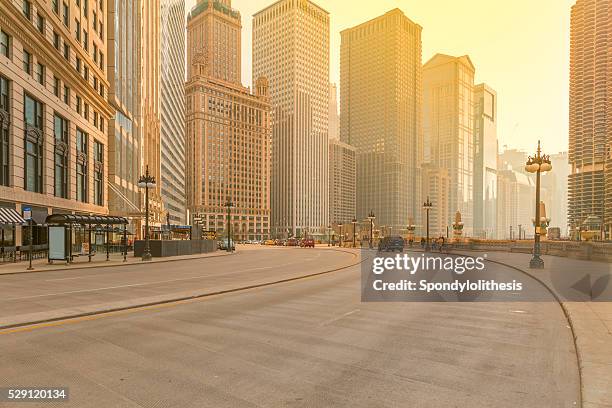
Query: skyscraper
x=124 y=94
x=590 y=120
x=291 y=49
x=227 y=129
x=172 y=108
x=342 y=173
x=380 y=115
x=54 y=111
x=485 y=161
x=448 y=84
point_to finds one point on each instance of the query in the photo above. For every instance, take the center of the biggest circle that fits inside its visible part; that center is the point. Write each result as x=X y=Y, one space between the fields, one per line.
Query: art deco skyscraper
x=380 y=115
x=291 y=48
x=227 y=128
x=590 y=117
x=172 y=108
x=448 y=84
x=485 y=161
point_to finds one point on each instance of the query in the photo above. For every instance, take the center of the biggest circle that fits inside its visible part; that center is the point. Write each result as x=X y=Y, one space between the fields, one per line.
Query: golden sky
x=519 y=47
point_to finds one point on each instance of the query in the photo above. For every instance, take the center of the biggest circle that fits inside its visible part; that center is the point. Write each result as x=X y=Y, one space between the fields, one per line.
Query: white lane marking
x=325 y=323
x=518 y=311
x=143 y=284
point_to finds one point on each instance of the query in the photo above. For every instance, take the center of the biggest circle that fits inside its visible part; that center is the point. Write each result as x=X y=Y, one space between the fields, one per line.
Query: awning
x=85 y=219
x=10 y=216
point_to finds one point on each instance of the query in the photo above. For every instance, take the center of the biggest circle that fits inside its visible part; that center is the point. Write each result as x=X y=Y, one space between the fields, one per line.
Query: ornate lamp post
x=371 y=217
x=537 y=164
x=147 y=181
x=411 y=228
x=229 y=206
x=354 y=222
x=427 y=205
x=341 y=236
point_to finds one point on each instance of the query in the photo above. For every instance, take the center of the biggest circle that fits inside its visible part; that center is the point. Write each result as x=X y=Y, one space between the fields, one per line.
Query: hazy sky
x=519 y=47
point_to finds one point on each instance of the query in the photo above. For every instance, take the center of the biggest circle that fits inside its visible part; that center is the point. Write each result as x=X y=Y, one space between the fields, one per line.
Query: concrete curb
x=182 y=298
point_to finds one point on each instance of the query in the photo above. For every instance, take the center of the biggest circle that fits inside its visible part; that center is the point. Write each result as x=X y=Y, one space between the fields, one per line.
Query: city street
x=303 y=343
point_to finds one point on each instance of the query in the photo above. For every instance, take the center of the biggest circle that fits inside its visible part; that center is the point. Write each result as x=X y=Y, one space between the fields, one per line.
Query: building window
x=27 y=9
x=67 y=51
x=56 y=87
x=98 y=173
x=4 y=131
x=55 y=6
x=5 y=44
x=101 y=123
x=61 y=130
x=78 y=65
x=81 y=147
x=101 y=31
x=66 y=14
x=27 y=62
x=77 y=29
x=66 y=95
x=40 y=23
x=40 y=73
x=101 y=61
x=102 y=90
x=86 y=72
x=95 y=53
x=33 y=141
x=86 y=112
x=86 y=8
x=78 y=104
x=56 y=40
x=86 y=40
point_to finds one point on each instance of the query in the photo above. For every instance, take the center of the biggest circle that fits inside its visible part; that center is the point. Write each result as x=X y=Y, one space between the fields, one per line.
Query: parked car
x=292 y=242
x=279 y=242
x=223 y=244
x=307 y=243
x=269 y=242
x=391 y=244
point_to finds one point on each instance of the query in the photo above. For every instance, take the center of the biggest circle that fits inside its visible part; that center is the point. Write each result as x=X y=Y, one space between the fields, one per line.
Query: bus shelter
x=64 y=227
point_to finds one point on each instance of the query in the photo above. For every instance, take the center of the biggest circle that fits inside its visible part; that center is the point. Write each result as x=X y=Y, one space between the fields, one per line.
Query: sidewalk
x=97 y=261
x=591 y=323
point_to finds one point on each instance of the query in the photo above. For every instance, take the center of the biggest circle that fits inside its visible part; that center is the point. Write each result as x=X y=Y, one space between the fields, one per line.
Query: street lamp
x=537 y=164
x=229 y=206
x=340 y=226
x=147 y=181
x=427 y=205
x=371 y=217
x=354 y=222
x=329 y=228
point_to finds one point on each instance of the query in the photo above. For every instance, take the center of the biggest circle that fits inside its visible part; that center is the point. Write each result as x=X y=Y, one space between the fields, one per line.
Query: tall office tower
x=515 y=193
x=227 y=129
x=342 y=174
x=380 y=115
x=590 y=120
x=437 y=187
x=124 y=93
x=291 y=49
x=172 y=108
x=150 y=111
x=555 y=183
x=448 y=84
x=334 y=117
x=54 y=111
x=485 y=161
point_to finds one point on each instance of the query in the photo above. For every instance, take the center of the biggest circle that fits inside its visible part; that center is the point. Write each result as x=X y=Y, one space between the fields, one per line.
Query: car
x=279 y=242
x=292 y=242
x=391 y=244
x=307 y=243
x=269 y=242
x=223 y=244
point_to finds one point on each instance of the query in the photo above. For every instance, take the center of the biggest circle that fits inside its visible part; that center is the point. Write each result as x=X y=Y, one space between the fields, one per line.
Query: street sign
x=27 y=213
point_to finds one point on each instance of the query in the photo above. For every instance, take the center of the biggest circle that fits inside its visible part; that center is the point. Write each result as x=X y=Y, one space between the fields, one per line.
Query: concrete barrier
x=161 y=249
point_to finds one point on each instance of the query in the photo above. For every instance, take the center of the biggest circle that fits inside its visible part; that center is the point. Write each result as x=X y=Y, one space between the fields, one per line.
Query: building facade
x=485 y=161
x=437 y=187
x=448 y=105
x=124 y=93
x=172 y=109
x=291 y=49
x=516 y=205
x=380 y=115
x=54 y=110
x=342 y=174
x=228 y=130
x=590 y=121
x=334 y=116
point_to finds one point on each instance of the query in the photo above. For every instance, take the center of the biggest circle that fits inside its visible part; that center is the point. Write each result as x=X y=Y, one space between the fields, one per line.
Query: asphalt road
x=307 y=343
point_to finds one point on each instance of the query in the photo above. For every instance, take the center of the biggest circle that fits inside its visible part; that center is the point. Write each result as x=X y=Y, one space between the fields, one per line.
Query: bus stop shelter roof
x=62 y=219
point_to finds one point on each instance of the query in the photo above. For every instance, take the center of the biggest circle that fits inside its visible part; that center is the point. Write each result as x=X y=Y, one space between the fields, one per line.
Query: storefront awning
x=85 y=219
x=10 y=216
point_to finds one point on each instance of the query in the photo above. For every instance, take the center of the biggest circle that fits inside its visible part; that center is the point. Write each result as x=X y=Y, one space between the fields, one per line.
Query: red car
x=292 y=242
x=307 y=242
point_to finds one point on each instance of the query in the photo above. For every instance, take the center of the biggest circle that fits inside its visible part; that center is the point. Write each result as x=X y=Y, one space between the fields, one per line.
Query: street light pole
x=229 y=206
x=147 y=181
x=371 y=216
x=537 y=164
x=340 y=225
x=427 y=205
x=329 y=228
x=354 y=222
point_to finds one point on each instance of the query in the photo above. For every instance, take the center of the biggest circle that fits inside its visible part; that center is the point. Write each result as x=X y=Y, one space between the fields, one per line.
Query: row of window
x=34 y=147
